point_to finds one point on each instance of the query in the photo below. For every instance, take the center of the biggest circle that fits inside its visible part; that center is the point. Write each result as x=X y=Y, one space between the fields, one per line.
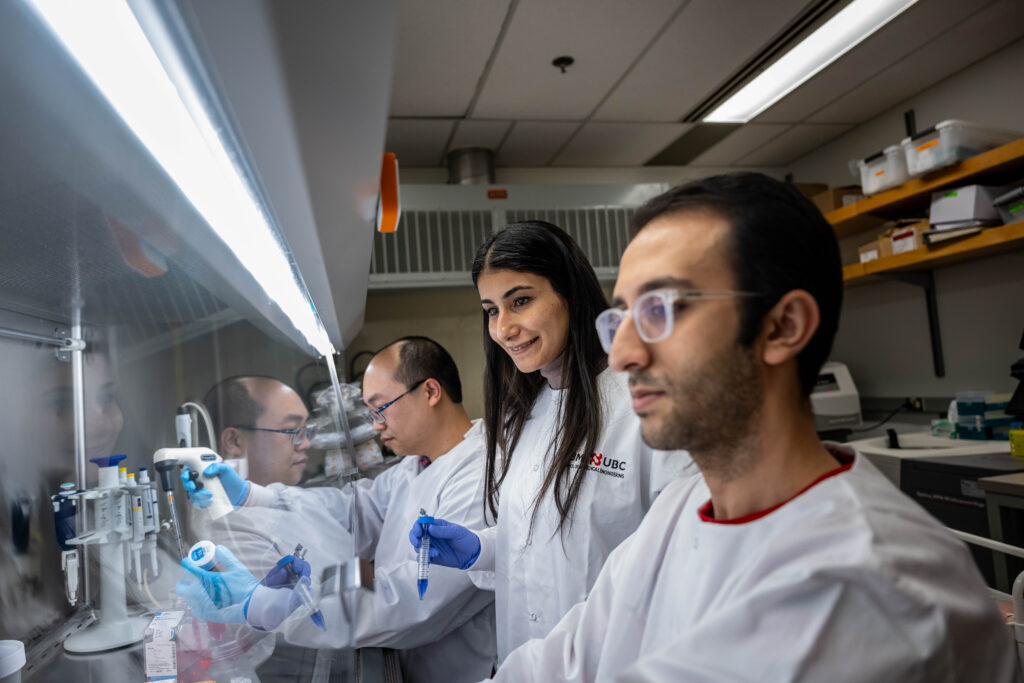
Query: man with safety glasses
x=413 y=395
x=788 y=558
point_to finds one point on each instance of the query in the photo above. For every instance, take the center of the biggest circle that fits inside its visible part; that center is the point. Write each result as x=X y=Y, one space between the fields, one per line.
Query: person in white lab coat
x=568 y=476
x=414 y=395
x=788 y=559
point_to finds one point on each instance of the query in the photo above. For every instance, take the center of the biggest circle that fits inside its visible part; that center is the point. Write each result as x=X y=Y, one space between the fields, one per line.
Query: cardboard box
x=810 y=190
x=836 y=198
x=908 y=236
x=869 y=251
x=885 y=241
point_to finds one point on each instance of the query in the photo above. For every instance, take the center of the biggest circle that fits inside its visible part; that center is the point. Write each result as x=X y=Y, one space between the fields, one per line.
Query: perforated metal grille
x=437 y=247
x=602 y=233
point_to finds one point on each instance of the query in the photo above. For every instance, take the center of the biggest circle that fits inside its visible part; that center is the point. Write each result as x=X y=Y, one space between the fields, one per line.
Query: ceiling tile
x=743 y=142
x=704 y=45
x=618 y=144
x=486 y=134
x=603 y=36
x=533 y=143
x=418 y=142
x=793 y=144
x=894 y=41
x=982 y=34
x=443 y=46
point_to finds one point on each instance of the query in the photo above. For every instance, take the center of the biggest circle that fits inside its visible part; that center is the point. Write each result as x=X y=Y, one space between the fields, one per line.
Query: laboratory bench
x=287 y=664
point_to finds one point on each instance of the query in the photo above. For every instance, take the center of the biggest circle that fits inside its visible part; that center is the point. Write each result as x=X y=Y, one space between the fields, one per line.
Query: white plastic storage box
x=881 y=171
x=1011 y=205
x=949 y=142
x=963 y=205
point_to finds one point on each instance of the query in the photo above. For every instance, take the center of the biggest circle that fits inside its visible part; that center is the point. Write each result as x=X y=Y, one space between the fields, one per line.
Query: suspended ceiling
x=478 y=73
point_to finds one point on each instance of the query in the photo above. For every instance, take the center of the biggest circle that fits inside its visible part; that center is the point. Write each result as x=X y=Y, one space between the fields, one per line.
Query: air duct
x=471 y=166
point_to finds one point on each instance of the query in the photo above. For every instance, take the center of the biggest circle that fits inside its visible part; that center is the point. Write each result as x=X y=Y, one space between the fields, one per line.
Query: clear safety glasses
x=377 y=414
x=653 y=313
x=298 y=435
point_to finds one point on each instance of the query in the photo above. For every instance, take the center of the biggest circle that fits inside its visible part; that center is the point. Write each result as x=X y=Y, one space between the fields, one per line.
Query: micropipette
x=424 y=559
x=302 y=589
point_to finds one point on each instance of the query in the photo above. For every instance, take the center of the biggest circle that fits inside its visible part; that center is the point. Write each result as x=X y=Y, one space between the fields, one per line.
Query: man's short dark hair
x=231 y=403
x=423 y=358
x=779 y=241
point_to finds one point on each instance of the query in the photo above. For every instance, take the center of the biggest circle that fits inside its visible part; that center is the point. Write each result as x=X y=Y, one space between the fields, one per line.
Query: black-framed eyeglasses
x=377 y=414
x=298 y=435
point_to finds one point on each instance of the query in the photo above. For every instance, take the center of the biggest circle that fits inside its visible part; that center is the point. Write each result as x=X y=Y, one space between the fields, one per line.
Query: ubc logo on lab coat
x=600 y=463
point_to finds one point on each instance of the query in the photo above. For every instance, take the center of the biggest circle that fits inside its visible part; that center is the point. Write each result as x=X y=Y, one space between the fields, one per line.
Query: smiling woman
x=567 y=475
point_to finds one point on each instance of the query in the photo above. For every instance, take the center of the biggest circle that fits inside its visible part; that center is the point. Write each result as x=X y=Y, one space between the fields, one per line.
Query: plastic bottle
x=1017 y=439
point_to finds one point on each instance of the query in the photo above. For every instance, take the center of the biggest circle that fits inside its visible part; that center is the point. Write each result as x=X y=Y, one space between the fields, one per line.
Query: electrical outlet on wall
x=914 y=404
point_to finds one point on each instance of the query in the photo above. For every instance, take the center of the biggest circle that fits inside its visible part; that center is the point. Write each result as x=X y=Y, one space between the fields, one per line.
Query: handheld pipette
x=424 y=559
x=302 y=589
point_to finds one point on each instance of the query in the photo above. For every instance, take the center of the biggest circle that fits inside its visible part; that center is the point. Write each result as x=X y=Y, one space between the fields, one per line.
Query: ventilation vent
x=602 y=233
x=429 y=247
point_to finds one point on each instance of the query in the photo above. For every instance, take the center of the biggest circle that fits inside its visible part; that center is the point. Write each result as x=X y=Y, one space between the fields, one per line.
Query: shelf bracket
x=926 y=281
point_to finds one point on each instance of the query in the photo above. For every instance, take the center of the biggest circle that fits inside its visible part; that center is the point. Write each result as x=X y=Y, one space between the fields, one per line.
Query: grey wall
x=883 y=333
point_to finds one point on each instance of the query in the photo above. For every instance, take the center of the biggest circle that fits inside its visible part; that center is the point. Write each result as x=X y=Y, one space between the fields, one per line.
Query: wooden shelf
x=1002 y=164
x=989 y=242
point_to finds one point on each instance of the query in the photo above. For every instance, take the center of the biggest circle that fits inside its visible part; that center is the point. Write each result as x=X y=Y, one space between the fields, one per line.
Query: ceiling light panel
x=833 y=39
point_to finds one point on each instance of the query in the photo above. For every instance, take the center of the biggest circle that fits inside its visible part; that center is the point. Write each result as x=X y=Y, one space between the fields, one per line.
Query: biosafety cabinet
x=187 y=194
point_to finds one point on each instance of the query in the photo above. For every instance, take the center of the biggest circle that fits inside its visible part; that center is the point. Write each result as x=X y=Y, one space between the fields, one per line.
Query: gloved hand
x=232 y=586
x=274 y=599
x=451 y=545
x=268 y=607
x=236 y=487
x=202 y=605
x=280 y=577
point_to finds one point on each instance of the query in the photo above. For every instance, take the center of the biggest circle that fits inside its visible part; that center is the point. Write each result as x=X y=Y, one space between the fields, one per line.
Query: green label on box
x=951 y=194
x=1016 y=207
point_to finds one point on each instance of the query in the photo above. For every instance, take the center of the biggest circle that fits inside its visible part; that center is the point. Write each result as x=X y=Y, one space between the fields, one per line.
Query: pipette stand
x=112 y=530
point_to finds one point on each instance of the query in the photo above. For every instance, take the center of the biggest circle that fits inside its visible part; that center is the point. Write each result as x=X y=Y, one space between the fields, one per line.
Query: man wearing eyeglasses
x=263 y=421
x=788 y=558
x=414 y=397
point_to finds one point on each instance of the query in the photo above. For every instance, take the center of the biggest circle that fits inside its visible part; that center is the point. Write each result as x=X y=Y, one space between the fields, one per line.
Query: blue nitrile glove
x=199 y=600
x=232 y=586
x=280 y=577
x=451 y=545
x=268 y=607
x=236 y=487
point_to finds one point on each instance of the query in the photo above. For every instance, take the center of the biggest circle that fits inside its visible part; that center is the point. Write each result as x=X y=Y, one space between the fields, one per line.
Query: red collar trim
x=707 y=513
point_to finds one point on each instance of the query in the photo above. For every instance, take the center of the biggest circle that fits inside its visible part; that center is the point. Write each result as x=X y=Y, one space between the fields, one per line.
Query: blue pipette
x=302 y=589
x=424 y=559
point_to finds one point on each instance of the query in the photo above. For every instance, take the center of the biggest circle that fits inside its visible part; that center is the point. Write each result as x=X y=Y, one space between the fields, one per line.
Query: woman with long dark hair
x=568 y=476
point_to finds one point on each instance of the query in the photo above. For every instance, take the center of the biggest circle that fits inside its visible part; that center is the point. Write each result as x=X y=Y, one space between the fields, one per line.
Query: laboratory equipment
x=835 y=401
x=12 y=658
x=117 y=531
x=302 y=589
x=203 y=555
x=424 y=557
x=197 y=460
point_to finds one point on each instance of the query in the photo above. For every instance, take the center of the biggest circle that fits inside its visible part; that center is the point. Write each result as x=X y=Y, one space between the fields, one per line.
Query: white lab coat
x=850 y=580
x=538 y=579
x=449 y=635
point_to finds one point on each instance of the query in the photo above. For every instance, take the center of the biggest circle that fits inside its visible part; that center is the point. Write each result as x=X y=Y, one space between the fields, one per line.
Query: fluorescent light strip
x=832 y=40
x=110 y=46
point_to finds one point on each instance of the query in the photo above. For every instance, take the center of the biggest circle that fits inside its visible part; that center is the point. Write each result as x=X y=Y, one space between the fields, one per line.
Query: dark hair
x=423 y=358
x=779 y=241
x=230 y=403
x=546 y=250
